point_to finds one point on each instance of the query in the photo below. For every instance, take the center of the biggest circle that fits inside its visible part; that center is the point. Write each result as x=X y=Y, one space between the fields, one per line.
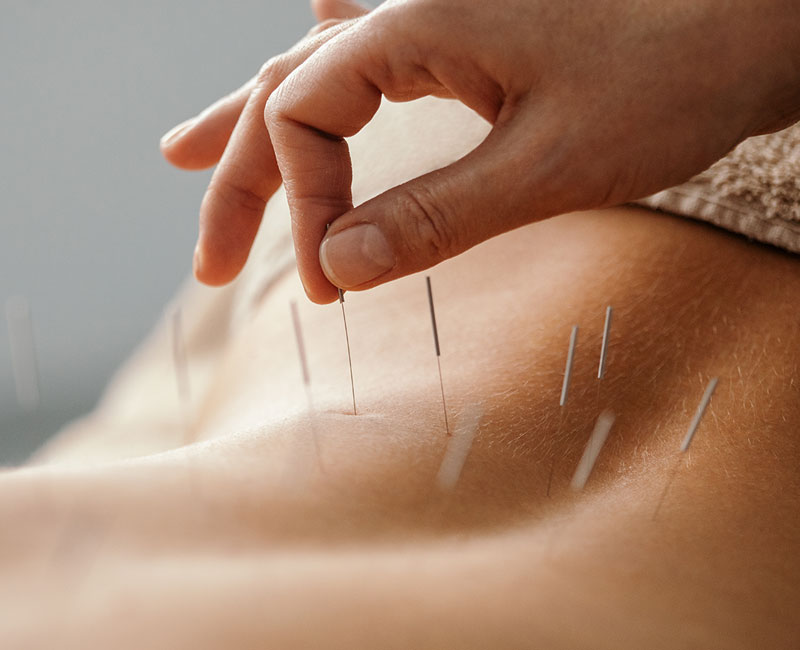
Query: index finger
x=247 y=175
x=333 y=95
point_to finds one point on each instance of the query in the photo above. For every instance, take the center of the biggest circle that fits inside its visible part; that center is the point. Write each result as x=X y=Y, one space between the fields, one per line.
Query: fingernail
x=176 y=132
x=355 y=255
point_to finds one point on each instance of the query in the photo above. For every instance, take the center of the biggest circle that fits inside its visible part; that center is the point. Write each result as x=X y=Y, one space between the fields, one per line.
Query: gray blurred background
x=96 y=230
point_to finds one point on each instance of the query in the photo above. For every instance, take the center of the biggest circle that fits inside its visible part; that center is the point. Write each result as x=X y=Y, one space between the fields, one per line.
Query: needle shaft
x=349 y=355
x=23 y=352
x=438 y=351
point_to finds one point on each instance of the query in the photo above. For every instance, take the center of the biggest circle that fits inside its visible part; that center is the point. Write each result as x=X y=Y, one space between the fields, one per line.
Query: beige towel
x=754 y=190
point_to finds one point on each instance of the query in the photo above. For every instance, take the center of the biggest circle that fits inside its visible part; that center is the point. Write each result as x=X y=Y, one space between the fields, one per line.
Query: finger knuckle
x=270 y=73
x=239 y=197
x=427 y=224
x=274 y=109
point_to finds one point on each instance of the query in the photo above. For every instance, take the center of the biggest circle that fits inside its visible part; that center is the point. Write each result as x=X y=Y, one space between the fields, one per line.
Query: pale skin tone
x=217 y=545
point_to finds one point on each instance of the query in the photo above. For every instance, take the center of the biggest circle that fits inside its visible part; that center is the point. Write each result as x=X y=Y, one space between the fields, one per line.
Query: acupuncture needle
x=181 y=366
x=573 y=342
x=458 y=448
x=349 y=356
x=347 y=340
x=604 y=421
x=701 y=409
x=23 y=352
x=301 y=353
x=687 y=440
x=601 y=366
x=438 y=351
x=593 y=447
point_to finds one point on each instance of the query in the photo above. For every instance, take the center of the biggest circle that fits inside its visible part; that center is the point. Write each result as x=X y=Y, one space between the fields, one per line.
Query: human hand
x=232 y=132
x=592 y=104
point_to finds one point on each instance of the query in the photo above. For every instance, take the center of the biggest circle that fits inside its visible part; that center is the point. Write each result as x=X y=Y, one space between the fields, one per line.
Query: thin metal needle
x=301 y=351
x=347 y=339
x=596 y=441
x=573 y=341
x=601 y=368
x=438 y=351
x=349 y=356
x=458 y=448
x=701 y=409
x=301 y=348
x=181 y=365
x=693 y=426
x=23 y=352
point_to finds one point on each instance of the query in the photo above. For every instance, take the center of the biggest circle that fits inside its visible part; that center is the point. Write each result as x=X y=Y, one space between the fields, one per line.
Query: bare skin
x=591 y=105
x=242 y=539
x=120 y=534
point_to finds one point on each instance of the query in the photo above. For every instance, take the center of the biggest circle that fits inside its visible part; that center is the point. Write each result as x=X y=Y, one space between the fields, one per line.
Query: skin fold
x=245 y=538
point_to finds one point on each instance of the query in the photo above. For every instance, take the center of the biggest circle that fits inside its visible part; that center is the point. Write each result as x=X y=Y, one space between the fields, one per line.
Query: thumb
x=434 y=217
x=416 y=225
